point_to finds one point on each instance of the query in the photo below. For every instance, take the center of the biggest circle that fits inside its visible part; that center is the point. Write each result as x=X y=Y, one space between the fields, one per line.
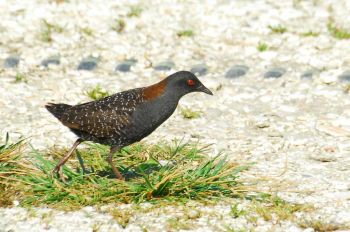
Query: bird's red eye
x=191 y=82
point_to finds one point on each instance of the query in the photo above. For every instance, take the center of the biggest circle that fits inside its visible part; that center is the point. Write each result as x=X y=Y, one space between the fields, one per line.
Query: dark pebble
x=275 y=73
x=53 y=60
x=199 y=69
x=345 y=76
x=164 y=66
x=88 y=64
x=309 y=74
x=11 y=62
x=237 y=71
x=125 y=65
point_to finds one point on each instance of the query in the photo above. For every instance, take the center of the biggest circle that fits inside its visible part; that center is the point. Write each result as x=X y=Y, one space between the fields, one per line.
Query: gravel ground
x=286 y=108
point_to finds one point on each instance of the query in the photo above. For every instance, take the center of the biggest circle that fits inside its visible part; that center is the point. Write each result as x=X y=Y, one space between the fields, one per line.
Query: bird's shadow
x=128 y=172
x=131 y=172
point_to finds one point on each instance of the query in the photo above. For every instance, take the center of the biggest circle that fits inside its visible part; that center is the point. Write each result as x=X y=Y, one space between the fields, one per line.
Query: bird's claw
x=121 y=178
x=118 y=175
x=59 y=171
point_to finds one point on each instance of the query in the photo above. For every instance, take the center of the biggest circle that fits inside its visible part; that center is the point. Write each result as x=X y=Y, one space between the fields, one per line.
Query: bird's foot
x=58 y=169
x=118 y=175
x=121 y=178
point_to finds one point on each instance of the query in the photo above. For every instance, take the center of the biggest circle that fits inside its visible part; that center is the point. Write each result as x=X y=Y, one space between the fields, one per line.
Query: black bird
x=126 y=117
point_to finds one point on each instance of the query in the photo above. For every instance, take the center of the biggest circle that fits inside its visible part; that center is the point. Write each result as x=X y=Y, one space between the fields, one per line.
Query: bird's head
x=184 y=82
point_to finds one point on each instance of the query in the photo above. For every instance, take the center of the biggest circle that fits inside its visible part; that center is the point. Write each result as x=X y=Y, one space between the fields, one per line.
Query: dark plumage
x=126 y=117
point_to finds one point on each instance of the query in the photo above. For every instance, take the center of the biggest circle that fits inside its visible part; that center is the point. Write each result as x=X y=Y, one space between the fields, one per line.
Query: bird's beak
x=204 y=89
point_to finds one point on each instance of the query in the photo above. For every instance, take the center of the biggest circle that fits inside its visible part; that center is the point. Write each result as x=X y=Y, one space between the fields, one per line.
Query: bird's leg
x=81 y=162
x=58 y=168
x=113 y=150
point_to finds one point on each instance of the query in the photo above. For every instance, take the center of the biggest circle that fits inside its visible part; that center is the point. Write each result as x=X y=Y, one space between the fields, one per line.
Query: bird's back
x=101 y=121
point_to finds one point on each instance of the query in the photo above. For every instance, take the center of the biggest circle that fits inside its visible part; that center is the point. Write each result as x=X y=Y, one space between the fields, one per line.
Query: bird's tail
x=57 y=109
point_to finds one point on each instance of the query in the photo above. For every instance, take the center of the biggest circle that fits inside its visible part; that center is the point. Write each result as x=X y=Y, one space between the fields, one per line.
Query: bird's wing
x=103 y=118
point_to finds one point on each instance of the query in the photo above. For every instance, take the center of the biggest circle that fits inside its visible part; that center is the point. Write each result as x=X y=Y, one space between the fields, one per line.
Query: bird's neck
x=160 y=92
x=154 y=91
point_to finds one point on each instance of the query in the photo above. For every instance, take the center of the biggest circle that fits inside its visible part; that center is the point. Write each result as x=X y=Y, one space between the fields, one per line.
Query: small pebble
x=164 y=66
x=237 y=71
x=199 y=69
x=345 y=76
x=89 y=64
x=52 y=60
x=307 y=75
x=275 y=73
x=125 y=65
x=323 y=157
x=11 y=61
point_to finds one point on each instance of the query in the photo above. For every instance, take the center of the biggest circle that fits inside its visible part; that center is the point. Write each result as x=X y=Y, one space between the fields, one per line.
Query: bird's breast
x=150 y=115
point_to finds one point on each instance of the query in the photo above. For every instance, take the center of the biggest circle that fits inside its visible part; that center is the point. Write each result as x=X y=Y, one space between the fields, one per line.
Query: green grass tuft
x=48 y=29
x=337 y=32
x=87 y=31
x=97 y=93
x=45 y=36
x=274 y=208
x=163 y=172
x=262 y=47
x=135 y=11
x=188 y=113
x=279 y=29
x=20 y=77
x=321 y=226
x=119 y=25
x=185 y=33
x=10 y=165
x=179 y=224
x=236 y=211
x=310 y=34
